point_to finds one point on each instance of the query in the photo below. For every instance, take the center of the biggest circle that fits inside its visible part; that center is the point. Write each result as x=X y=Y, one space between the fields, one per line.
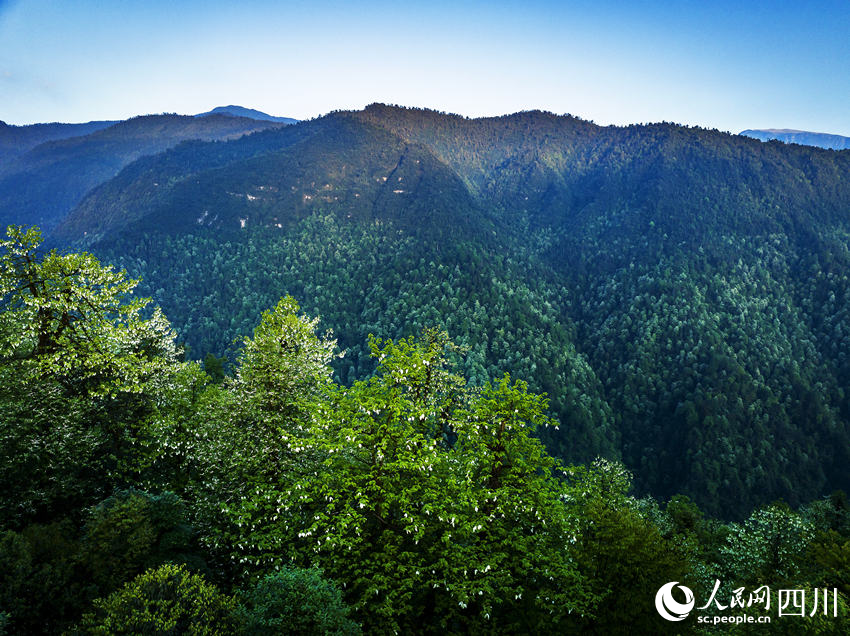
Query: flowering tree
x=426 y=499
x=78 y=363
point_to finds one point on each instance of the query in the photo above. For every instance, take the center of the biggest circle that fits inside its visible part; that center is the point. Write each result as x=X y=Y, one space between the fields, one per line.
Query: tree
x=430 y=502
x=248 y=434
x=78 y=363
x=768 y=547
x=214 y=366
x=73 y=321
x=167 y=600
x=284 y=370
x=133 y=531
x=41 y=591
x=620 y=551
x=296 y=601
x=285 y=366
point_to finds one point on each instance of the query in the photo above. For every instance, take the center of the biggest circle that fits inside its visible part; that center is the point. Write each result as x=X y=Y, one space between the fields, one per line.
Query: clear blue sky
x=729 y=65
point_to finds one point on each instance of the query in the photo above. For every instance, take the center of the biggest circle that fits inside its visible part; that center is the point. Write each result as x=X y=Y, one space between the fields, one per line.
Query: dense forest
x=146 y=493
x=680 y=294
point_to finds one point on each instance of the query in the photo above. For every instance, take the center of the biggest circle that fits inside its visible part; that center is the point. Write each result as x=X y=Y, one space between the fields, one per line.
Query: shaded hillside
x=44 y=184
x=361 y=172
x=566 y=173
x=681 y=294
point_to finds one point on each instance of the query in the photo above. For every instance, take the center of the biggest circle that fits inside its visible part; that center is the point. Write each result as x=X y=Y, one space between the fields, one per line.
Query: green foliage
x=830 y=514
x=214 y=366
x=768 y=547
x=78 y=360
x=295 y=601
x=66 y=317
x=164 y=455
x=41 y=587
x=133 y=531
x=284 y=367
x=830 y=552
x=424 y=491
x=620 y=551
x=422 y=495
x=50 y=573
x=378 y=279
x=685 y=514
x=680 y=294
x=247 y=440
x=167 y=600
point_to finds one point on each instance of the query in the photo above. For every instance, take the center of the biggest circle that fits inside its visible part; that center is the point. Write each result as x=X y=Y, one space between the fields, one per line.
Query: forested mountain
x=41 y=185
x=822 y=140
x=681 y=294
x=250 y=113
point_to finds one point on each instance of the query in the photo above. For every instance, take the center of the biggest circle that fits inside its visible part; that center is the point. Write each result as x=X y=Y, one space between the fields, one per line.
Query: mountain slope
x=682 y=295
x=337 y=165
x=42 y=185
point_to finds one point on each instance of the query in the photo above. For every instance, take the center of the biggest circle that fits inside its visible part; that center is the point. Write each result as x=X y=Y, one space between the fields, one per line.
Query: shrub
x=296 y=601
x=165 y=601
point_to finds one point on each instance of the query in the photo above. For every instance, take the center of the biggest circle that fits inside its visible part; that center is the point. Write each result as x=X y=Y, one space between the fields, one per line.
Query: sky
x=725 y=64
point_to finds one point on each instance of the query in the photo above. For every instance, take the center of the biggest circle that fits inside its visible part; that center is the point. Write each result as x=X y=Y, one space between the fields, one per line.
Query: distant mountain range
x=241 y=111
x=803 y=137
x=16 y=140
x=46 y=169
